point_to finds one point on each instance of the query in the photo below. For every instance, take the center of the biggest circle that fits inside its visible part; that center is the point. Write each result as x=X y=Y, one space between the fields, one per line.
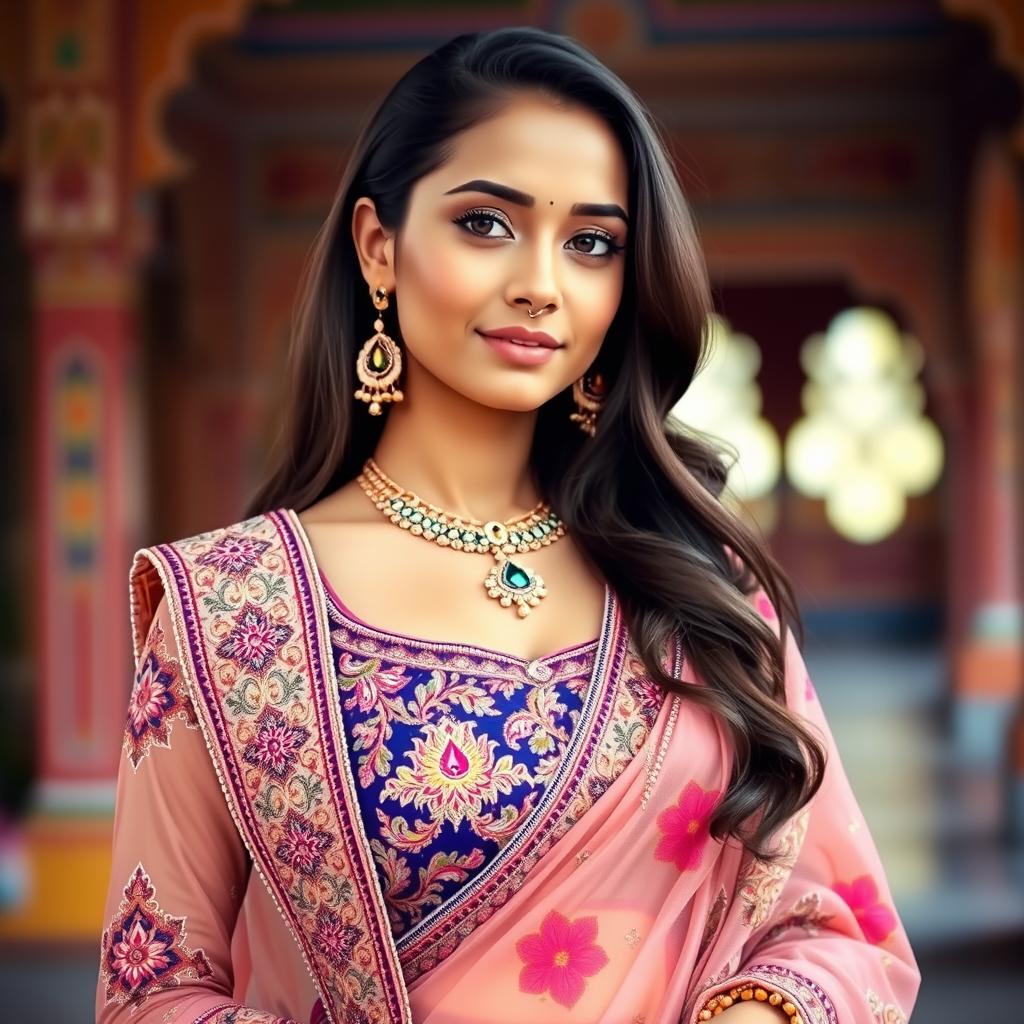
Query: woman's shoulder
x=250 y=526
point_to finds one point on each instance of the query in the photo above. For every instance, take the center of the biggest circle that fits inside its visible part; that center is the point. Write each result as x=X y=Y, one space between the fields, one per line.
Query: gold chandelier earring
x=588 y=393
x=379 y=362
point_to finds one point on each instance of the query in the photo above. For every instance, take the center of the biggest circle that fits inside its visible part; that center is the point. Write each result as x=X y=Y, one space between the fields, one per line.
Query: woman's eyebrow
x=513 y=195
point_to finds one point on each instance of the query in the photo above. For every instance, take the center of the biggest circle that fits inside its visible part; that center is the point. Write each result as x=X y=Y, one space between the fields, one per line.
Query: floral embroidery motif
x=884 y=1013
x=234 y=554
x=684 y=827
x=479 y=743
x=454 y=773
x=302 y=844
x=403 y=906
x=805 y=913
x=335 y=939
x=760 y=885
x=143 y=949
x=276 y=744
x=254 y=640
x=560 y=957
x=876 y=920
x=292 y=795
x=157 y=696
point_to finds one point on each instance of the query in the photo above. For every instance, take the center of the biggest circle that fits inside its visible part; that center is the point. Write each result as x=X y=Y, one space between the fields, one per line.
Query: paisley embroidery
x=475 y=746
x=884 y=1013
x=157 y=697
x=454 y=773
x=144 y=949
x=760 y=885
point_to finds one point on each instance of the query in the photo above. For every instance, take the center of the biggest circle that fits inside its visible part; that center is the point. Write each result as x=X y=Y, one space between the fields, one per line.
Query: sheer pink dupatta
x=637 y=916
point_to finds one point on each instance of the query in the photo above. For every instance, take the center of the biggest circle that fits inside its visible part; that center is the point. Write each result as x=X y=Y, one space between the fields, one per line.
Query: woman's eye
x=475 y=220
x=591 y=240
x=481 y=224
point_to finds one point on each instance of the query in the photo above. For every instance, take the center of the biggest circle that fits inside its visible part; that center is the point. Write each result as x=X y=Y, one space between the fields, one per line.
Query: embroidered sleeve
x=178 y=866
x=823 y=928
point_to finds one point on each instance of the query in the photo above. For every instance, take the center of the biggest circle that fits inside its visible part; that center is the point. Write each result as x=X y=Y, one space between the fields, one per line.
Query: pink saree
x=243 y=887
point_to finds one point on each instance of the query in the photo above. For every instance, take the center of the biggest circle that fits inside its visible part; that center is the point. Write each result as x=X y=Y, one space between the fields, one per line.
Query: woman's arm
x=179 y=868
x=824 y=930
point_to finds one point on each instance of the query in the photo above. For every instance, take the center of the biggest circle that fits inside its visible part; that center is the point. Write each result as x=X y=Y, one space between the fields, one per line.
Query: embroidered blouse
x=453 y=746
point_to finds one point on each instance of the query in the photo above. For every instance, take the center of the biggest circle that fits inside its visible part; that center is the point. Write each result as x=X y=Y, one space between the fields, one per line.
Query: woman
x=553 y=755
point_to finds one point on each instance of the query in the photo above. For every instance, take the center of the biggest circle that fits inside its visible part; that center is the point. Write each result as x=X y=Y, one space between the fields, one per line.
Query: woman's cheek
x=447 y=278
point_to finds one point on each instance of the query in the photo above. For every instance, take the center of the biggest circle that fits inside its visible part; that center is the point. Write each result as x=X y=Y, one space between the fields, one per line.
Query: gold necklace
x=509 y=582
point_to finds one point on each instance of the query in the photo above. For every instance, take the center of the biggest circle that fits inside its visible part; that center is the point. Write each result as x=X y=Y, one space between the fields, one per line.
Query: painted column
x=74 y=218
x=989 y=670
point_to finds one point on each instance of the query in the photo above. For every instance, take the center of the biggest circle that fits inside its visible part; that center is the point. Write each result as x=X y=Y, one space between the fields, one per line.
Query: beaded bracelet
x=716 y=1004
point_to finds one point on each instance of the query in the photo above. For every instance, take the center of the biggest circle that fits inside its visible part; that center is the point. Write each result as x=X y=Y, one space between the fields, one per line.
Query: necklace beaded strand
x=509 y=582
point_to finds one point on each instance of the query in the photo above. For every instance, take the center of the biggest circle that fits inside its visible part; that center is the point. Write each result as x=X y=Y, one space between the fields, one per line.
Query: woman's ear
x=374 y=245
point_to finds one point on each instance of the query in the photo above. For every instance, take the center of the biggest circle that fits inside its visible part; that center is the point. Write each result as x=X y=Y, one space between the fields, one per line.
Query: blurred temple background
x=855 y=167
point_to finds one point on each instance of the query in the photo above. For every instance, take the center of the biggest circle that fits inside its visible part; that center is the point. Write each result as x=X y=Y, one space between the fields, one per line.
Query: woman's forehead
x=555 y=154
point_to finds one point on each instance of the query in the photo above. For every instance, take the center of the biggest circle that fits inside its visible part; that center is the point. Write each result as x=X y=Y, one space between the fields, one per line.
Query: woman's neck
x=469 y=460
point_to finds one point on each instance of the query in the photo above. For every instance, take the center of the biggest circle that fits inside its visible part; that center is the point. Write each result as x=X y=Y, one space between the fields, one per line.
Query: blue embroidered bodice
x=451 y=746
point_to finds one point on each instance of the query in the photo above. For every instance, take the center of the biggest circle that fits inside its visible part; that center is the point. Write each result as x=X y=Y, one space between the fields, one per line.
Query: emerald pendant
x=514 y=576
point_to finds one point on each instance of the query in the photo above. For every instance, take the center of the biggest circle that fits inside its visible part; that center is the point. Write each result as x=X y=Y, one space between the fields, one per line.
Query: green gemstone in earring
x=379 y=359
x=514 y=576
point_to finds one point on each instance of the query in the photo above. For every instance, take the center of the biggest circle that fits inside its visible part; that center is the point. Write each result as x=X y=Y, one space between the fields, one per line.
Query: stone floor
x=937 y=824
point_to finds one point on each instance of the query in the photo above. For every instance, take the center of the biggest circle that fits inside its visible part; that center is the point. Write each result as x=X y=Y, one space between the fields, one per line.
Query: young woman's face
x=528 y=213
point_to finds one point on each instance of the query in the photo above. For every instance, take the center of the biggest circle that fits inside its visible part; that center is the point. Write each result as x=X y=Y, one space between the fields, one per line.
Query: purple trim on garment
x=819 y=993
x=203 y=677
x=340 y=786
x=769 y=974
x=253 y=833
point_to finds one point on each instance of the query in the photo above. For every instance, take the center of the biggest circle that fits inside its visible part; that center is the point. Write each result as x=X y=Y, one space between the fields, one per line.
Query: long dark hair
x=641 y=498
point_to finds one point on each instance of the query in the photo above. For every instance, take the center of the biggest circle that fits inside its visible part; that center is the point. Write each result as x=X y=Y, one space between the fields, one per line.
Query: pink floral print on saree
x=681 y=916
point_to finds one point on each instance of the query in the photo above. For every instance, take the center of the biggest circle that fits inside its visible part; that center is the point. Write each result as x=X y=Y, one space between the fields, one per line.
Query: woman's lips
x=518 y=353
